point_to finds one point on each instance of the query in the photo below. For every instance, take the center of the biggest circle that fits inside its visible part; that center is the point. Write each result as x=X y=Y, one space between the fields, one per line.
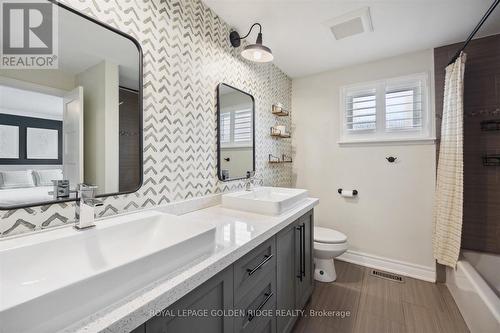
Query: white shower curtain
x=448 y=211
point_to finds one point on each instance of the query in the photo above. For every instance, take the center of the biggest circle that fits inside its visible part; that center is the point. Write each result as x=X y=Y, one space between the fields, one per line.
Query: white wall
x=53 y=78
x=392 y=216
x=240 y=161
x=101 y=119
x=112 y=135
x=23 y=113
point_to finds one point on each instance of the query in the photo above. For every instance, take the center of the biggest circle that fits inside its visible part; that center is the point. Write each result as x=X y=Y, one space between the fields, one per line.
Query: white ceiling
x=83 y=44
x=303 y=45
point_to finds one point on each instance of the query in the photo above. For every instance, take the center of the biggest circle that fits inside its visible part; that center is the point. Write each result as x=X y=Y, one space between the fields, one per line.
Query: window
x=387 y=110
x=236 y=128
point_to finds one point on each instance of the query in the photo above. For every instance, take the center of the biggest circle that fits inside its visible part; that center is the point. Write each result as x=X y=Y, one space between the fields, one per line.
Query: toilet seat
x=326 y=251
x=328 y=236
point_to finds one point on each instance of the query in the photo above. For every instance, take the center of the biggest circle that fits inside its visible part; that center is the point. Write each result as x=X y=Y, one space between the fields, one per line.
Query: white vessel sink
x=50 y=280
x=264 y=200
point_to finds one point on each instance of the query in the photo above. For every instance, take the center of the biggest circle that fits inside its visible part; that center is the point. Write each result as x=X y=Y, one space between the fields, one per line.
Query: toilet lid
x=329 y=236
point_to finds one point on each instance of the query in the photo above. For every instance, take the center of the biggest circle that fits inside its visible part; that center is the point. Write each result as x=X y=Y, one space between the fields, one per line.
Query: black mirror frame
x=219 y=175
x=140 y=106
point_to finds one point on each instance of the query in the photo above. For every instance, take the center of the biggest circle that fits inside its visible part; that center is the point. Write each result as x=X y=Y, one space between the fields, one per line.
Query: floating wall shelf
x=490 y=125
x=491 y=160
x=281 y=136
x=278 y=134
x=276 y=160
x=279 y=111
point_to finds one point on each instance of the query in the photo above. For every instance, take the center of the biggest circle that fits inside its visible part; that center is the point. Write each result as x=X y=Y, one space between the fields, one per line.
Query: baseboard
x=389 y=265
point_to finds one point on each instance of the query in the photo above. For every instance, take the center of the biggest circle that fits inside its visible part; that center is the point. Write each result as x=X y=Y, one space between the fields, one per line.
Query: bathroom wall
x=53 y=79
x=391 y=219
x=101 y=136
x=481 y=221
x=186 y=54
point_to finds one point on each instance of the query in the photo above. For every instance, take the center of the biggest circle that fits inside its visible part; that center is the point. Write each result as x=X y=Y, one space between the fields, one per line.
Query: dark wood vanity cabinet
x=295 y=268
x=274 y=278
x=193 y=313
x=304 y=259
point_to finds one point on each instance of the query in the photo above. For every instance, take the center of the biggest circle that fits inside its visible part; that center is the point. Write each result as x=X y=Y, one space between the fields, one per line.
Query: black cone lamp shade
x=257 y=52
x=253 y=52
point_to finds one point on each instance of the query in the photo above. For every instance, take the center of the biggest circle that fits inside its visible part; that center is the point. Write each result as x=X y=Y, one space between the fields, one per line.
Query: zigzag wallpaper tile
x=186 y=55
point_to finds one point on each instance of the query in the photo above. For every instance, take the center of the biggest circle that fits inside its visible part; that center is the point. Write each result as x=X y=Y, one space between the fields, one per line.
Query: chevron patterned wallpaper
x=186 y=54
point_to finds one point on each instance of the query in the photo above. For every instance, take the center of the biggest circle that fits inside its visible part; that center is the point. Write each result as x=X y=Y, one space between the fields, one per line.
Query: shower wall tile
x=481 y=220
x=186 y=55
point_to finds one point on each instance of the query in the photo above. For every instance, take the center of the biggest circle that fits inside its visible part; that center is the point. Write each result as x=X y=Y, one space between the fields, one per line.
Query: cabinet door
x=286 y=276
x=215 y=294
x=304 y=259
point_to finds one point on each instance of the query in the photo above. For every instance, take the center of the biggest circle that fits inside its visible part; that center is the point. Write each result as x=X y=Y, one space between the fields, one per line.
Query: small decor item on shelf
x=490 y=125
x=274 y=159
x=279 y=111
x=275 y=131
x=491 y=160
x=279 y=131
x=286 y=159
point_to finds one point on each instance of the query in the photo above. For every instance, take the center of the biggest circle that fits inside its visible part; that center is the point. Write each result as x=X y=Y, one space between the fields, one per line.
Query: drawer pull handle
x=262 y=263
x=303 y=226
x=268 y=297
x=301 y=251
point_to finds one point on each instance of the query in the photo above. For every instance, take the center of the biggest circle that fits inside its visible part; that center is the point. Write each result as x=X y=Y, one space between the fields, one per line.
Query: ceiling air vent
x=386 y=275
x=351 y=23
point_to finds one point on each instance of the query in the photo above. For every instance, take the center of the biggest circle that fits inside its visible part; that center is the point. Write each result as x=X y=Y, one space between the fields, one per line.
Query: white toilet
x=328 y=244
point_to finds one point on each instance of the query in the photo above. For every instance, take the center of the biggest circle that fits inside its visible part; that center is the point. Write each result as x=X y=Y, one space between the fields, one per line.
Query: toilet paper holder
x=354 y=192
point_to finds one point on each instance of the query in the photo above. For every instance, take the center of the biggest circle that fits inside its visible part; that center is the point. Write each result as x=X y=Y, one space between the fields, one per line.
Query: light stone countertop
x=237 y=233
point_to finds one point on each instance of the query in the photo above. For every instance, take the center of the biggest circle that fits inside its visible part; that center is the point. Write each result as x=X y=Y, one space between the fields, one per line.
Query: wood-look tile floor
x=379 y=305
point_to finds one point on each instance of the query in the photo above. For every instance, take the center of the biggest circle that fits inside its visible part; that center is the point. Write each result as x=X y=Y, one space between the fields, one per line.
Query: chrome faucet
x=250 y=180
x=85 y=207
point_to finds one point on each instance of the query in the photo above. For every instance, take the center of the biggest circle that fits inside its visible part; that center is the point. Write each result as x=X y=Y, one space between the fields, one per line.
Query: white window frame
x=381 y=133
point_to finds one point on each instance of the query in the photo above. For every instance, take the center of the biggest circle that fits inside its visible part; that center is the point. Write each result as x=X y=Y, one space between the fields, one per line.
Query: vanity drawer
x=253 y=267
x=258 y=308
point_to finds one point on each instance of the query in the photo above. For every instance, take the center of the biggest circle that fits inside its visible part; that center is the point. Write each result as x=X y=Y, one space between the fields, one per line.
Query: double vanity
x=192 y=266
x=244 y=258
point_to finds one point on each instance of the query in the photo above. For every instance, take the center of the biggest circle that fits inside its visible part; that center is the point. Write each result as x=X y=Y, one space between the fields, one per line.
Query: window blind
x=225 y=127
x=361 y=112
x=403 y=108
x=242 y=126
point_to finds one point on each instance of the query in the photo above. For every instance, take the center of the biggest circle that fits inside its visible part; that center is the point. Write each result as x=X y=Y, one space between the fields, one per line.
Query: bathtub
x=475 y=286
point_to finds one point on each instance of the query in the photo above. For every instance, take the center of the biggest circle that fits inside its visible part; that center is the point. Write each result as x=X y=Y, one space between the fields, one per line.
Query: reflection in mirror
x=79 y=123
x=236 y=132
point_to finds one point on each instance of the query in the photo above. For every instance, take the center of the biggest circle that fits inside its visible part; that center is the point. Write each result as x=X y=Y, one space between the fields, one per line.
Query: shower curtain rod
x=476 y=29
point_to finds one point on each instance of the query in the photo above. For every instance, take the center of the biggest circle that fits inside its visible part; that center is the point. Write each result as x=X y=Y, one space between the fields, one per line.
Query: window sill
x=394 y=142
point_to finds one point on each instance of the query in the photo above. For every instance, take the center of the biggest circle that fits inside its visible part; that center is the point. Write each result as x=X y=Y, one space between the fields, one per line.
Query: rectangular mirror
x=78 y=123
x=236 y=132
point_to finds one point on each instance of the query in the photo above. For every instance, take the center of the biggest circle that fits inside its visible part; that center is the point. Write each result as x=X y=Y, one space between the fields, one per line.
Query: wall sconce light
x=253 y=52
